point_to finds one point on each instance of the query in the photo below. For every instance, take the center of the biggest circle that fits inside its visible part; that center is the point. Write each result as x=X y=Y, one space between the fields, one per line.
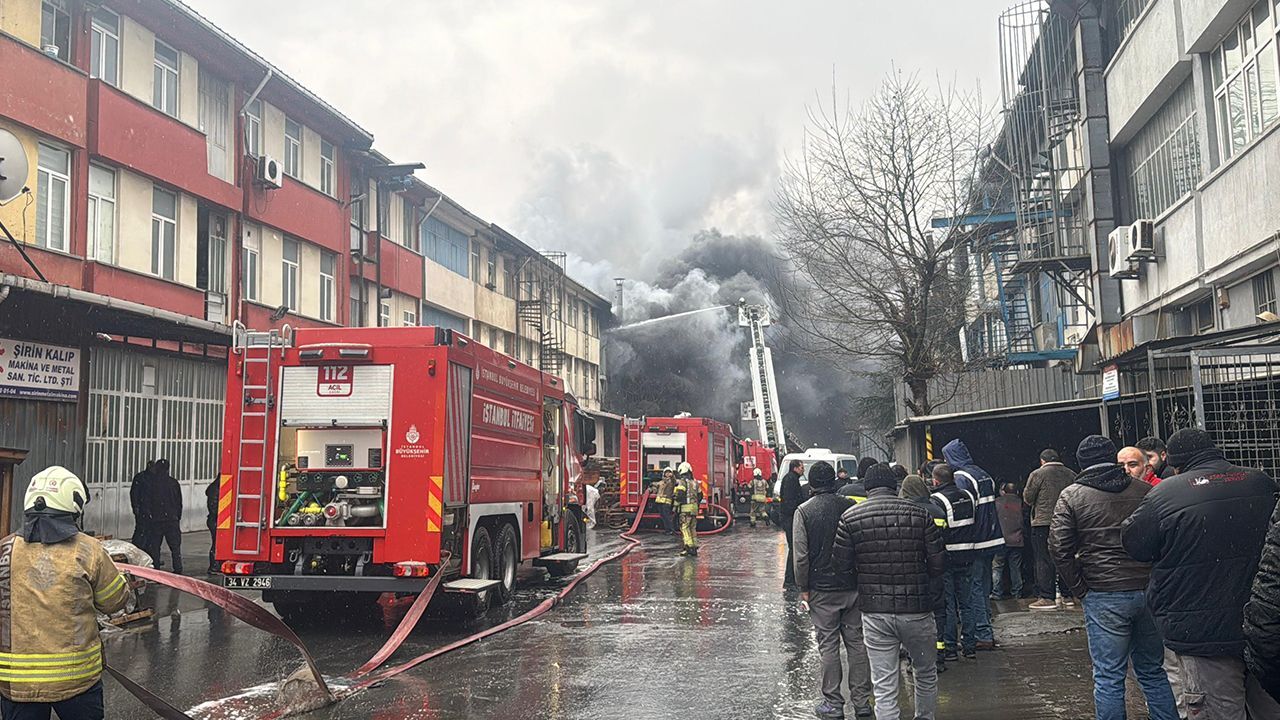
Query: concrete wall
x=450 y=290
x=1241 y=201
x=185 y=260
x=21 y=19
x=1204 y=22
x=188 y=90
x=133 y=221
x=1148 y=67
x=137 y=57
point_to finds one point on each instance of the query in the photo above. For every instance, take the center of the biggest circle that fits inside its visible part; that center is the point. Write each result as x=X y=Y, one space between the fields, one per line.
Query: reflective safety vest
x=686 y=496
x=961 y=509
x=986 y=487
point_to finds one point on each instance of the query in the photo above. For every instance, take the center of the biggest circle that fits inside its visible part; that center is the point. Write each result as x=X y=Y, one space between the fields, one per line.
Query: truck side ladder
x=254 y=465
x=631 y=429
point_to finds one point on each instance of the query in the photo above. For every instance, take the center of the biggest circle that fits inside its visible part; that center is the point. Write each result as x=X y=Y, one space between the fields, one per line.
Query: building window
x=491 y=272
x=289 y=274
x=104 y=58
x=573 y=311
x=493 y=338
x=409 y=225
x=328 y=165
x=1244 y=79
x=1202 y=315
x=445 y=245
x=292 y=149
x=384 y=314
x=508 y=279
x=356 y=310
x=1264 y=292
x=410 y=318
x=441 y=319
x=328 y=261
x=211 y=251
x=1162 y=162
x=102 y=214
x=475 y=264
x=164 y=92
x=55 y=29
x=164 y=232
x=53 y=197
x=507 y=339
x=250 y=273
x=253 y=128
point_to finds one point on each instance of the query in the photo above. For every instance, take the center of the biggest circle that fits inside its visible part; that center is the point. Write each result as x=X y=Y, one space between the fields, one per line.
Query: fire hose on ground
x=364 y=676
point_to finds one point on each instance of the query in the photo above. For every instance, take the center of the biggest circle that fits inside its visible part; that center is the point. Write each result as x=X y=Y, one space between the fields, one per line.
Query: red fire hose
x=364 y=676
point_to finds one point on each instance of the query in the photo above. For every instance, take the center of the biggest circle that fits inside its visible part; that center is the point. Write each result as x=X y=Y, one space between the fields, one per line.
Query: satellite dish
x=14 y=166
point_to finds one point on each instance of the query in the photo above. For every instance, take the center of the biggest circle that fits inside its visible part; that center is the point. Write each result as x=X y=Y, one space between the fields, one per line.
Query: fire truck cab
x=360 y=461
x=649 y=445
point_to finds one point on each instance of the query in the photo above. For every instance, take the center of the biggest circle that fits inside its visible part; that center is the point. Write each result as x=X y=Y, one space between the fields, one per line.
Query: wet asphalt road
x=650 y=636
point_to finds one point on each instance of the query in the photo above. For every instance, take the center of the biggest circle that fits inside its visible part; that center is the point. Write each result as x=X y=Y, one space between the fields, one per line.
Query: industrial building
x=179 y=183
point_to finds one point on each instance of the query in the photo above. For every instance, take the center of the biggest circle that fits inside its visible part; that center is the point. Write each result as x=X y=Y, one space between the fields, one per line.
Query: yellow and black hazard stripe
x=51 y=668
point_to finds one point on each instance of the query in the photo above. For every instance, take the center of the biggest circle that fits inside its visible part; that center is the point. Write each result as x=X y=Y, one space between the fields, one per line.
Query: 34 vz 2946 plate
x=247 y=582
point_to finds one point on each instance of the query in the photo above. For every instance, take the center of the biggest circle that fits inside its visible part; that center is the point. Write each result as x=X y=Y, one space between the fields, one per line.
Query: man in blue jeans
x=955 y=625
x=1084 y=540
x=988 y=539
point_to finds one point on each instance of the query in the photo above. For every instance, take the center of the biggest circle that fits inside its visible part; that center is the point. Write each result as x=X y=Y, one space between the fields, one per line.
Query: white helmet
x=56 y=488
x=685 y=469
x=757 y=473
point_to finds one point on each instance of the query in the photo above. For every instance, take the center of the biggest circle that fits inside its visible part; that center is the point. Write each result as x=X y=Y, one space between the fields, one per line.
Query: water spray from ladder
x=650 y=321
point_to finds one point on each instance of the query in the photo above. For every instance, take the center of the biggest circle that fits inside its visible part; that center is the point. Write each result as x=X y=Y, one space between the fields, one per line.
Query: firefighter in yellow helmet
x=53 y=582
x=687 y=497
x=759 y=497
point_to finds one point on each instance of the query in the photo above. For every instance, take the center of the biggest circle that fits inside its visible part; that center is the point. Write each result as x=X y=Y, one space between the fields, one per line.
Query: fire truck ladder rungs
x=252 y=484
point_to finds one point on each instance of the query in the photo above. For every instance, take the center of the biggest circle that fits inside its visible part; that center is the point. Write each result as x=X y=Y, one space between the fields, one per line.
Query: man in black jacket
x=988 y=537
x=894 y=550
x=1203 y=530
x=791 y=494
x=166 y=515
x=960 y=508
x=1262 y=615
x=1084 y=539
x=140 y=500
x=832 y=596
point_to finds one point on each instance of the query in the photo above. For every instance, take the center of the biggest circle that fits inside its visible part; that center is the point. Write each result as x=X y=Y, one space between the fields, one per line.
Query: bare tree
x=879 y=285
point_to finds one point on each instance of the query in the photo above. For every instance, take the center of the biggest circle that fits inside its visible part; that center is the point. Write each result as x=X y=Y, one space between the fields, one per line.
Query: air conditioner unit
x=1142 y=240
x=270 y=172
x=1120 y=266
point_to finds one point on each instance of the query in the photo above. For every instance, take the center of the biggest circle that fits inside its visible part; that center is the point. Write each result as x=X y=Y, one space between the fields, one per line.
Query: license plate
x=247 y=582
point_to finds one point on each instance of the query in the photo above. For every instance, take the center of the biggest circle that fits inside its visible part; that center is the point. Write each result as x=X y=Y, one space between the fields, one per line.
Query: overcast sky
x=611 y=128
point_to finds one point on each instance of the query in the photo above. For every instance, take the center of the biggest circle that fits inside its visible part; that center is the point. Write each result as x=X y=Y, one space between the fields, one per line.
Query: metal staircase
x=1015 y=305
x=540 y=312
x=254 y=466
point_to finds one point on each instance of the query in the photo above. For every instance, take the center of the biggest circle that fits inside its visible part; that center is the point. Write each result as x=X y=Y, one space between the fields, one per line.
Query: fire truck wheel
x=506 y=554
x=482 y=564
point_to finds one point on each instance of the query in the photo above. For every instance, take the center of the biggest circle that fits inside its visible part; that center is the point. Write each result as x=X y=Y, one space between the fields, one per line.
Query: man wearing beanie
x=832 y=596
x=894 y=550
x=1203 y=530
x=1084 y=539
x=988 y=537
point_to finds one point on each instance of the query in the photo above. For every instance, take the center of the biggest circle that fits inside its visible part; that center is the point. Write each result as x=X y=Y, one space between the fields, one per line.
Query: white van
x=839 y=461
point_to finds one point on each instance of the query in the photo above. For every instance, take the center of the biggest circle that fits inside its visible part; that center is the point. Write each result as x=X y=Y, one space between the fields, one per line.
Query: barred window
x=1162 y=162
x=1124 y=19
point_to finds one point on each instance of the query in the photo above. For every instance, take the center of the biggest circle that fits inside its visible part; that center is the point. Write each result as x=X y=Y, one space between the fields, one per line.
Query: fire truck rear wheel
x=482 y=564
x=508 y=559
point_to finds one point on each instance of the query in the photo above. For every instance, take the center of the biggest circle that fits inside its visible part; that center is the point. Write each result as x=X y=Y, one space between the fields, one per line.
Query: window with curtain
x=53 y=197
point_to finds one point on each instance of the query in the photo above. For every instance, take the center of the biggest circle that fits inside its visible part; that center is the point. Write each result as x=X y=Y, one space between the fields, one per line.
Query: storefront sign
x=39 y=371
x=1111 y=383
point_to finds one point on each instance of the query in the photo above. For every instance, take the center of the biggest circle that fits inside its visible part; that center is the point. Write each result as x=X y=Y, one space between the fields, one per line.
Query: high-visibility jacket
x=759 y=488
x=686 y=496
x=50 y=595
x=961 y=508
x=666 y=487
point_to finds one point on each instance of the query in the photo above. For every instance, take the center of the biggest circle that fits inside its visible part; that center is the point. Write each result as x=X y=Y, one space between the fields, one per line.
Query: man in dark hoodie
x=832 y=596
x=1084 y=539
x=140 y=499
x=791 y=494
x=1203 y=530
x=166 y=515
x=988 y=537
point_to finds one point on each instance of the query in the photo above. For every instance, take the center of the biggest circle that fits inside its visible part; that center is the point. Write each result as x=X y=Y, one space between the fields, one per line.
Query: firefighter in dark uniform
x=686 y=501
x=666 y=509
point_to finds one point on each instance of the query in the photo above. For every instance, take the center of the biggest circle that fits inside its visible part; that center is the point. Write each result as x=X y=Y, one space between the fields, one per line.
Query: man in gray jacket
x=1043 y=488
x=832 y=596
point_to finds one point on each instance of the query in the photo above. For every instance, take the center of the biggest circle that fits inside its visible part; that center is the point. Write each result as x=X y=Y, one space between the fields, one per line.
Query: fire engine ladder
x=254 y=476
x=771 y=428
x=635 y=464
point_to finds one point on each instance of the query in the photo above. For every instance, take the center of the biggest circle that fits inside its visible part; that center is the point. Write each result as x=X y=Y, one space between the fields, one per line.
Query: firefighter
x=687 y=500
x=666 y=509
x=759 y=497
x=56 y=580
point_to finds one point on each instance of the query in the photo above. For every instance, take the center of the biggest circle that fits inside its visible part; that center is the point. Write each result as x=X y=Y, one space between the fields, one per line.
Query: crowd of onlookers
x=1166 y=549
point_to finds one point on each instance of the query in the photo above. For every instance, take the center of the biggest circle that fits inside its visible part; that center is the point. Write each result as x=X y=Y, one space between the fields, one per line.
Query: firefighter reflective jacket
x=961 y=509
x=759 y=488
x=666 y=488
x=686 y=495
x=50 y=595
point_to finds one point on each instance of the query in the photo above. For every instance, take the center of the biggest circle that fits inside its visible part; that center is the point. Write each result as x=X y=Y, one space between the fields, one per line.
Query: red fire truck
x=753 y=454
x=651 y=444
x=355 y=458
